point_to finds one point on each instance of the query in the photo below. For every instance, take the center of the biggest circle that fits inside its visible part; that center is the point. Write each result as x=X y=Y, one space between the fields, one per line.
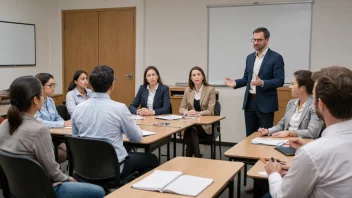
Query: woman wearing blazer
x=78 y=91
x=152 y=96
x=300 y=119
x=198 y=100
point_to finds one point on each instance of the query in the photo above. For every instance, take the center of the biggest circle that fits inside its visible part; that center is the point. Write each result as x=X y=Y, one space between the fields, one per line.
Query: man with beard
x=264 y=73
x=322 y=168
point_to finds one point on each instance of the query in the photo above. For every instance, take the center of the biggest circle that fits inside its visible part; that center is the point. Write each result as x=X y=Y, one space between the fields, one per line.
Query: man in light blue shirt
x=102 y=118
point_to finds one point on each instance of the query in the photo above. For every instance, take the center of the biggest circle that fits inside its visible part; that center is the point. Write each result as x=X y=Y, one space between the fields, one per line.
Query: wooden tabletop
x=258 y=167
x=220 y=171
x=184 y=122
x=245 y=149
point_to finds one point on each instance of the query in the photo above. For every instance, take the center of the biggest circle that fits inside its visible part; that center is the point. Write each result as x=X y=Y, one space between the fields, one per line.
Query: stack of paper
x=169 y=117
x=173 y=182
x=268 y=141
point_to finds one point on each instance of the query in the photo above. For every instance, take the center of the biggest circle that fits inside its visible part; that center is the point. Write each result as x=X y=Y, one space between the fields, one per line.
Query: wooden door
x=80 y=44
x=117 y=49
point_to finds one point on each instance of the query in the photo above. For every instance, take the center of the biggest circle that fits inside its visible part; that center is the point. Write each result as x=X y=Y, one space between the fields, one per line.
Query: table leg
x=231 y=188
x=168 y=151
x=175 y=145
x=239 y=184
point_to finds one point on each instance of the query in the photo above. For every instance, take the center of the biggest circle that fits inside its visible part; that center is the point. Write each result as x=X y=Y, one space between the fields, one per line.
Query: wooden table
x=221 y=172
x=260 y=182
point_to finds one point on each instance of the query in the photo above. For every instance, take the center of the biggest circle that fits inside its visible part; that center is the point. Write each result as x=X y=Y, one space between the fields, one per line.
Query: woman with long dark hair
x=21 y=134
x=152 y=96
x=198 y=100
x=78 y=91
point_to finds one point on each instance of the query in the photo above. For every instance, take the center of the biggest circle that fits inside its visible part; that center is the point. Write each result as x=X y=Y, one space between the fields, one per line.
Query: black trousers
x=191 y=138
x=141 y=162
x=254 y=118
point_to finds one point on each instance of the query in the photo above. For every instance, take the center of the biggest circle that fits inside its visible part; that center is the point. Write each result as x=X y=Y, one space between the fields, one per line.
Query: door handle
x=130 y=75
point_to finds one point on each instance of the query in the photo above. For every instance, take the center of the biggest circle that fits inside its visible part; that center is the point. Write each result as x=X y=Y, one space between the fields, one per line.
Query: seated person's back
x=102 y=118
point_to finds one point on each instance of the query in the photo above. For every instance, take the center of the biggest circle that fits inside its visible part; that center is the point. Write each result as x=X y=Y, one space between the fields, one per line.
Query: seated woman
x=153 y=96
x=21 y=134
x=48 y=114
x=78 y=91
x=198 y=100
x=300 y=119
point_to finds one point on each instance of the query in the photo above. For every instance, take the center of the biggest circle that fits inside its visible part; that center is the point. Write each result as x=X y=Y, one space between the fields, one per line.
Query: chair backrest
x=25 y=177
x=322 y=129
x=217 y=111
x=63 y=112
x=93 y=159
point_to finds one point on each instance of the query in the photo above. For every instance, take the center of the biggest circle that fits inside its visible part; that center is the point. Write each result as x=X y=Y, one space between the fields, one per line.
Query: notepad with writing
x=169 y=117
x=268 y=141
x=173 y=182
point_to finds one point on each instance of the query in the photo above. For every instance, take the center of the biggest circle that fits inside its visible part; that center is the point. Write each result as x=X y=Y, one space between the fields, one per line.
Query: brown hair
x=334 y=88
x=190 y=82
x=145 y=82
x=304 y=78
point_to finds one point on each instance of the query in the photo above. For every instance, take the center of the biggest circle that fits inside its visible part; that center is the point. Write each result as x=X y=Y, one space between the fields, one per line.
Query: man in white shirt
x=322 y=168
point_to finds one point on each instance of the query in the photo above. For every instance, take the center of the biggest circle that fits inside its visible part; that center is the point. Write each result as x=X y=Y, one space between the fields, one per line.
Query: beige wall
x=42 y=14
x=172 y=35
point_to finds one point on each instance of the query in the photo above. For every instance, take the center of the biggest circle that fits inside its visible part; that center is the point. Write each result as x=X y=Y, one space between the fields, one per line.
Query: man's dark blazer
x=272 y=72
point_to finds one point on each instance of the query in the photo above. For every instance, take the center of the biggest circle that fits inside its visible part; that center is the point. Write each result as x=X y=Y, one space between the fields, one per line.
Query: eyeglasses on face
x=258 y=40
x=53 y=85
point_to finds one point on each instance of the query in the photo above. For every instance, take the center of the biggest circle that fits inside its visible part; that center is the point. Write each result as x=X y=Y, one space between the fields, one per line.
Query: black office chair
x=25 y=177
x=63 y=112
x=211 y=139
x=95 y=161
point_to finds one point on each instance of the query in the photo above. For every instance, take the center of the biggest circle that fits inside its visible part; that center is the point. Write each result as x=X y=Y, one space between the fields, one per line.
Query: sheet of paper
x=157 y=181
x=147 y=133
x=188 y=185
x=169 y=117
x=263 y=173
x=137 y=117
x=268 y=141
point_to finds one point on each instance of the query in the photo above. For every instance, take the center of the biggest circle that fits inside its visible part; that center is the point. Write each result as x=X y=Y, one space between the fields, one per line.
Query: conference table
x=222 y=172
x=249 y=153
x=149 y=123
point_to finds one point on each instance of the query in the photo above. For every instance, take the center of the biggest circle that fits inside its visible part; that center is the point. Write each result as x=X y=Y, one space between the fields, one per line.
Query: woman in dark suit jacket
x=198 y=100
x=152 y=96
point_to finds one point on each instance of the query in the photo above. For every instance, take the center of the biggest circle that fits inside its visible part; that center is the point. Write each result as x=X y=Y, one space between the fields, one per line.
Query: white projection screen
x=17 y=44
x=230 y=30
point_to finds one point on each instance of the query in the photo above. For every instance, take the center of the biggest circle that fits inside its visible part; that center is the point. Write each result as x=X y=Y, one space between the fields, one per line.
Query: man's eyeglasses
x=53 y=85
x=258 y=40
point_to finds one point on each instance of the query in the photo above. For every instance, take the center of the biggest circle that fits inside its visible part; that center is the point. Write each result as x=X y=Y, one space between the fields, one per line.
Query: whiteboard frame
x=35 y=45
x=255 y=4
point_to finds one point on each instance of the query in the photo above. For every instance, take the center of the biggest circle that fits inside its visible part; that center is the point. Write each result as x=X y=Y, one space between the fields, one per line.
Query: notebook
x=169 y=117
x=173 y=182
x=147 y=133
x=289 y=151
x=268 y=141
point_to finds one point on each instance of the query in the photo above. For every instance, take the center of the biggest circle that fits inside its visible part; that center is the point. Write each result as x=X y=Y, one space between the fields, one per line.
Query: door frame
x=63 y=12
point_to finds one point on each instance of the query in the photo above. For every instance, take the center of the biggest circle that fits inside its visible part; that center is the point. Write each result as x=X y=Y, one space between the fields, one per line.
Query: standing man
x=321 y=168
x=264 y=73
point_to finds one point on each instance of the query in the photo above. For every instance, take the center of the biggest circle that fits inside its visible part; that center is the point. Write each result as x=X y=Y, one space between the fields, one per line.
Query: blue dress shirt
x=48 y=115
x=74 y=97
x=102 y=118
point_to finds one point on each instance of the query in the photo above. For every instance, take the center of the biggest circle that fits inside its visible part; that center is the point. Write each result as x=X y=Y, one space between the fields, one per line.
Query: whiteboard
x=230 y=30
x=17 y=44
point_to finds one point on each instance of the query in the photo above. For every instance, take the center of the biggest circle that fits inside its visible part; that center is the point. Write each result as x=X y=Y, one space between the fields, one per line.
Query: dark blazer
x=161 y=104
x=272 y=72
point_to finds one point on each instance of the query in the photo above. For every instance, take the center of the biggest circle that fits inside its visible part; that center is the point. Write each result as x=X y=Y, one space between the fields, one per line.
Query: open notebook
x=173 y=182
x=169 y=117
x=268 y=141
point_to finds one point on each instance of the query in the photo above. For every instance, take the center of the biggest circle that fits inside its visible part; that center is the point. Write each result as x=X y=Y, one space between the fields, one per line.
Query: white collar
x=337 y=128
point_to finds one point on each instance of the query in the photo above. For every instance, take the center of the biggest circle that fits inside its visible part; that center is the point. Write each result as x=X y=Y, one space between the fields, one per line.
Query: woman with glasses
x=78 y=91
x=21 y=134
x=152 y=96
x=48 y=114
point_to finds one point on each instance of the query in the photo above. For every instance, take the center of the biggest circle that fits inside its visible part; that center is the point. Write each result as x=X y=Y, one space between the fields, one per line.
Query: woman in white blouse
x=78 y=91
x=300 y=119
